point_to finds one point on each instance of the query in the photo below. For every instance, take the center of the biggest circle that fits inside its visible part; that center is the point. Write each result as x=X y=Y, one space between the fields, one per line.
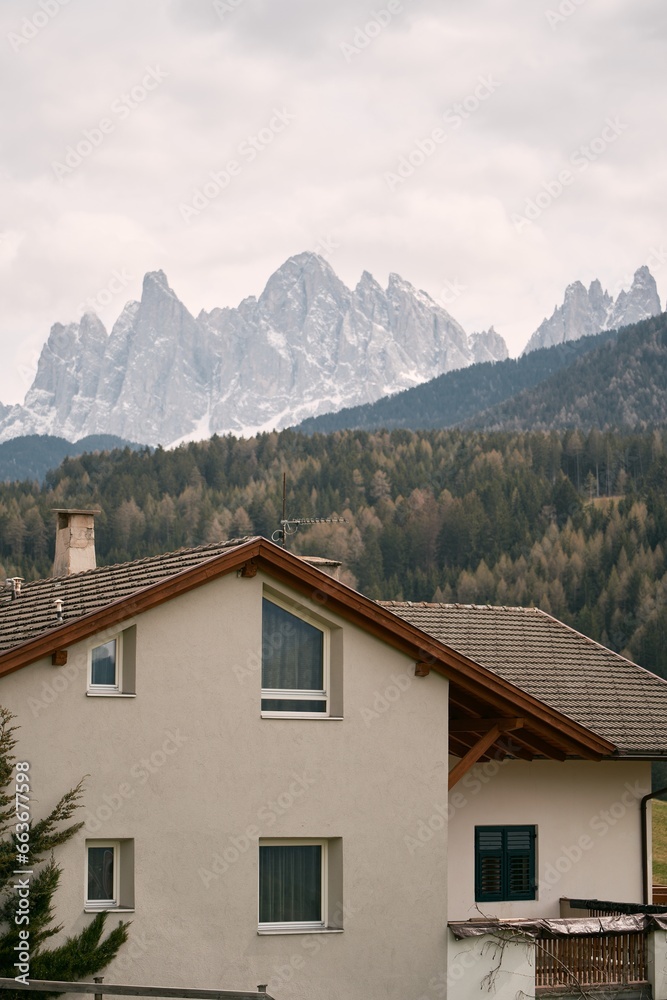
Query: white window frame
x=107 y=689
x=298 y=926
x=104 y=904
x=293 y=694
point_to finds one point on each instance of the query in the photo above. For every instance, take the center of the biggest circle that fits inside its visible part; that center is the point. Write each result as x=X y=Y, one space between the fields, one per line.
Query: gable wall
x=190 y=771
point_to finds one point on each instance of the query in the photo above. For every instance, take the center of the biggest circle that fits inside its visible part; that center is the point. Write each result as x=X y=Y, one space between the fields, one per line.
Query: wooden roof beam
x=480 y=747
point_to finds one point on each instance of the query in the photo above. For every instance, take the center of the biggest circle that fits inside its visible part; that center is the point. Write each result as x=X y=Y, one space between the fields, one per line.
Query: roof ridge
x=454 y=604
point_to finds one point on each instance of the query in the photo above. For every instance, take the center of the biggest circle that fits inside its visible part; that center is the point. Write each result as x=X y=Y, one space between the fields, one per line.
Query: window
x=112 y=665
x=109 y=874
x=102 y=875
x=295 y=663
x=105 y=665
x=504 y=863
x=300 y=885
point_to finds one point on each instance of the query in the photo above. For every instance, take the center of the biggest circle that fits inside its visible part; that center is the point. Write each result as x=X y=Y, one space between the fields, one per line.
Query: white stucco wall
x=500 y=966
x=588 y=831
x=657 y=964
x=190 y=771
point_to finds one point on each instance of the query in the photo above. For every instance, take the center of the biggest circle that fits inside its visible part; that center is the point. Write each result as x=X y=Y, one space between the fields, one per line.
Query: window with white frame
x=102 y=874
x=295 y=662
x=111 y=664
x=109 y=874
x=293 y=884
x=105 y=665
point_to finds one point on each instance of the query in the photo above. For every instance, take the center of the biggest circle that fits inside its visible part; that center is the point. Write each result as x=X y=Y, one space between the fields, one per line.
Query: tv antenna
x=290 y=525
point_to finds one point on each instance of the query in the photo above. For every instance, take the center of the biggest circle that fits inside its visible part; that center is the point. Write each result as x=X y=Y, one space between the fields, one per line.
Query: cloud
x=363 y=86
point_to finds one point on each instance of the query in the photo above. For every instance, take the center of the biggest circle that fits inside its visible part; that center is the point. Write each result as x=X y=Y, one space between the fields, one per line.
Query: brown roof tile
x=601 y=690
x=33 y=612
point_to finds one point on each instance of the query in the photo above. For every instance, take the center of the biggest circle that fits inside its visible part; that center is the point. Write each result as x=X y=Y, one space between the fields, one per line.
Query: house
x=290 y=784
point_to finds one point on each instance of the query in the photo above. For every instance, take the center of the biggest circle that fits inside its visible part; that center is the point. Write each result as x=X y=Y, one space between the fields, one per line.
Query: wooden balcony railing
x=660 y=895
x=591 y=959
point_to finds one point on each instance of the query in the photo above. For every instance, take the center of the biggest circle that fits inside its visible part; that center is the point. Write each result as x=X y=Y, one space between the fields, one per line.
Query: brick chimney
x=75 y=541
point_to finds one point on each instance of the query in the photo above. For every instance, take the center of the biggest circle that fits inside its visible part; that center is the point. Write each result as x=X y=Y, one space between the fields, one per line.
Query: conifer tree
x=79 y=956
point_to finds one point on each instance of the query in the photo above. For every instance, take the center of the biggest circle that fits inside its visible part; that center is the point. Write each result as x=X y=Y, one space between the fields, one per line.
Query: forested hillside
x=575 y=524
x=621 y=384
x=31 y=456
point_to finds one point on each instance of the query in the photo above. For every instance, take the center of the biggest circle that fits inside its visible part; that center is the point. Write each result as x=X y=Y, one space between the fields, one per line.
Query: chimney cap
x=75 y=510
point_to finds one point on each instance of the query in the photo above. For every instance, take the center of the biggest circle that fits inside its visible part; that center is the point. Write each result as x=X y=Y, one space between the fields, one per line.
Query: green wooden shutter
x=504 y=863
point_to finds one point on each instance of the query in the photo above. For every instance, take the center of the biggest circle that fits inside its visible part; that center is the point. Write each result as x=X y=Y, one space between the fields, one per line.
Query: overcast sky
x=413 y=136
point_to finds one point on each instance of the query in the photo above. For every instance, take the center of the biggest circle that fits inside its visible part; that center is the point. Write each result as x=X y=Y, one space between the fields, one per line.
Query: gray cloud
x=362 y=90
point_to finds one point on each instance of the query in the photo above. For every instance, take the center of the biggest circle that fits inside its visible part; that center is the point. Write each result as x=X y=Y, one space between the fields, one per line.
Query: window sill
x=109 y=694
x=301 y=715
x=108 y=909
x=307 y=930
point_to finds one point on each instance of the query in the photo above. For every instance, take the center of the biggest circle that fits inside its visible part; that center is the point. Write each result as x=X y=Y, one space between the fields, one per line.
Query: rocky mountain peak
x=585 y=313
x=307 y=345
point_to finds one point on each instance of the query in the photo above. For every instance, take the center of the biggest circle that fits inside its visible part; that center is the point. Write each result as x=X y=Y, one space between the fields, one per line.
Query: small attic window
x=111 y=668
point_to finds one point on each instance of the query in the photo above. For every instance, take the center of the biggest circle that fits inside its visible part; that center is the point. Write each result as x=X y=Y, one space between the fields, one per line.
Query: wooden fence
x=591 y=959
x=660 y=894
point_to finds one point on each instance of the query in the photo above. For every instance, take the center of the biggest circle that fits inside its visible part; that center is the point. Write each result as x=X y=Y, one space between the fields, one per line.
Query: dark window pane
x=104 y=664
x=290 y=884
x=100 y=873
x=286 y=705
x=292 y=651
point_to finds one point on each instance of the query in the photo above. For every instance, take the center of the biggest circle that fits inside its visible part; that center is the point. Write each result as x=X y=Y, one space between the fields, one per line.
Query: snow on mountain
x=307 y=345
x=585 y=313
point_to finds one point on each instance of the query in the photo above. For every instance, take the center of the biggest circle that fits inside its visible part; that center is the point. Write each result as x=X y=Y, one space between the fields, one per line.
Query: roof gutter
x=644 y=823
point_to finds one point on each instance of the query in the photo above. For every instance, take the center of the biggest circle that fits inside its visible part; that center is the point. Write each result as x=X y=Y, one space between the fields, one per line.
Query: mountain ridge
x=306 y=344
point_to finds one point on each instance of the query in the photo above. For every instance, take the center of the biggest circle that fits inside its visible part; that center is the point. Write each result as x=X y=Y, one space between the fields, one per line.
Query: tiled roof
x=601 y=690
x=34 y=612
x=611 y=697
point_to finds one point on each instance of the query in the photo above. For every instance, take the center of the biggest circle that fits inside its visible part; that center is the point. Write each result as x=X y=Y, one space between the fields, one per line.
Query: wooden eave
x=475 y=691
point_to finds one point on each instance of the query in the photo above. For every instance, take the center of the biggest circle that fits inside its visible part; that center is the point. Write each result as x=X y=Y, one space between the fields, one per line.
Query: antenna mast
x=290 y=525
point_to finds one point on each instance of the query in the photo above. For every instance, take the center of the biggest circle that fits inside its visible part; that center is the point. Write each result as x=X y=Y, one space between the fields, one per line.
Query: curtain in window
x=100 y=873
x=290 y=883
x=292 y=651
x=104 y=664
